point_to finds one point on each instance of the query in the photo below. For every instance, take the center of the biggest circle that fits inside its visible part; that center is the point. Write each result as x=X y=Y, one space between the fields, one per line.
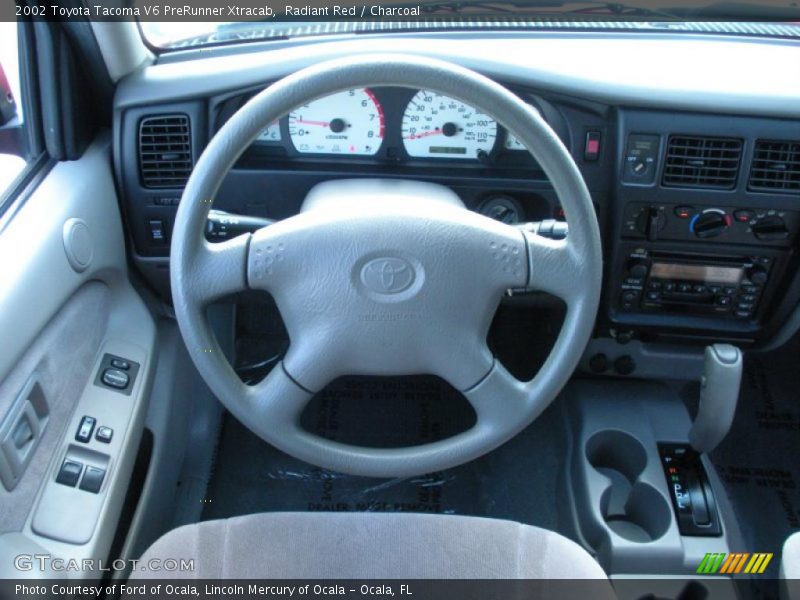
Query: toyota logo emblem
x=387 y=275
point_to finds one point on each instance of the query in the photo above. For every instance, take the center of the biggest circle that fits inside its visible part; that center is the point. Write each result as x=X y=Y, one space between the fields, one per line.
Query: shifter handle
x=719 y=393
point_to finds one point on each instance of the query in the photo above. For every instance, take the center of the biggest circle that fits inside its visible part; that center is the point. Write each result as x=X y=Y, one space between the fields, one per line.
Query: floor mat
x=522 y=480
x=759 y=461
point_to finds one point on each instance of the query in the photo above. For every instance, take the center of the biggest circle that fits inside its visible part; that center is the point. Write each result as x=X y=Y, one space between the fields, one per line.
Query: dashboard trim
x=672 y=71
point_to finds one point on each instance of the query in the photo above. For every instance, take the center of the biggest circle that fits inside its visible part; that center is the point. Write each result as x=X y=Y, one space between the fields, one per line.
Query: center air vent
x=776 y=166
x=165 y=151
x=702 y=162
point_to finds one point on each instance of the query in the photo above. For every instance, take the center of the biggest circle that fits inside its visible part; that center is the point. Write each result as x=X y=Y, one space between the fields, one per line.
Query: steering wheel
x=386 y=277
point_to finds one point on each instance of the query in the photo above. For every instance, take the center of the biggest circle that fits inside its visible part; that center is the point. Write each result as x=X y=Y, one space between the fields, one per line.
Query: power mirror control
x=117 y=373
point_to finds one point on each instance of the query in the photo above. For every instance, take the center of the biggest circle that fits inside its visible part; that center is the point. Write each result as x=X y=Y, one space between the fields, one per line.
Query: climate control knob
x=709 y=224
x=770 y=228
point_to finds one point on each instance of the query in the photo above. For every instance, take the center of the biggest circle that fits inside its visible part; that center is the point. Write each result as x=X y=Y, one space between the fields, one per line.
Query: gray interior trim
x=616 y=426
x=790 y=568
x=121 y=46
x=696 y=73
x=372 y=545
x=37 y=282
x=184 y=418
x=79 y=326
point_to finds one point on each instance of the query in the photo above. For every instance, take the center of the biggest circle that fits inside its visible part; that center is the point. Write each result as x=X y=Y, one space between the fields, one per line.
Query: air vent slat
x=702 y=162
x=165 y=151
x=776 y=166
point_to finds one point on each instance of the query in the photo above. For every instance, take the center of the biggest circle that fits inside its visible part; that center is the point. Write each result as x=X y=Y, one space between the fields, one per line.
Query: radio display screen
x=704 y=273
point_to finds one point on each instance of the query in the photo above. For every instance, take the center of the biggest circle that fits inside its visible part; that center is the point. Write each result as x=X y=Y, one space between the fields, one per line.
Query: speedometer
x=349 y=122
x=435 y=125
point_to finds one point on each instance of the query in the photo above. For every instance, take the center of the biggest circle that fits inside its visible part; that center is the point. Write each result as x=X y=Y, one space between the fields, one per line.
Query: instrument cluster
x=390 y=123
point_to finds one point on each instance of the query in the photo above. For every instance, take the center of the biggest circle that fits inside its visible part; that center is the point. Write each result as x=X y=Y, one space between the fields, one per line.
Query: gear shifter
x=719 y=393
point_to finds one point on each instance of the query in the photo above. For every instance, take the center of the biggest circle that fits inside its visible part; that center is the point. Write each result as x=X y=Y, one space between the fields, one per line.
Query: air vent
x=776 y=166
x=165 y=151
x=702 y=162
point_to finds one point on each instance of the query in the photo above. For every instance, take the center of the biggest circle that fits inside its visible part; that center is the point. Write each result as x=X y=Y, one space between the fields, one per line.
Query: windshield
x=271 y=21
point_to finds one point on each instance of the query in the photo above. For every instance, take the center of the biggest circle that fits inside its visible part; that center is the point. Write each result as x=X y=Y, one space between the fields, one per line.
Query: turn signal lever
x=549 y=228
x=719 y=393
x=222 y=225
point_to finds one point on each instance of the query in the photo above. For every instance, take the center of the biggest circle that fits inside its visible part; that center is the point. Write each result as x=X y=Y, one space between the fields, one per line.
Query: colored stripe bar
x=711 y=562
x=730 y=562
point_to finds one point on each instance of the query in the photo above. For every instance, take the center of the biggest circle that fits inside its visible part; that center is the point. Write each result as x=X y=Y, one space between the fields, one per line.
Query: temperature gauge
x=271 y=133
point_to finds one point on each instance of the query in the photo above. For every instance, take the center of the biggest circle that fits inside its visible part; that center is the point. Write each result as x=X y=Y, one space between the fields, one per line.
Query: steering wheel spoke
x=554 y=267
x=498 y=398
x=277 y=401
x=218 y=269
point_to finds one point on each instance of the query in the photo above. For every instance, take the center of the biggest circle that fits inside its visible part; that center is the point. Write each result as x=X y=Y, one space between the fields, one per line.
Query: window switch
x=104 y=434
x=69 y=473
x=85 y=430
x=92 y=480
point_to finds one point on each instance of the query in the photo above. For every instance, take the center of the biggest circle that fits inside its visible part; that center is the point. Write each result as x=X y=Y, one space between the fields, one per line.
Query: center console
x=641 y=495
x=703 y=245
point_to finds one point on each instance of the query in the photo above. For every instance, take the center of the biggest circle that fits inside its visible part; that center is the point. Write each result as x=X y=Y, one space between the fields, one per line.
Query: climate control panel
x=741 y=225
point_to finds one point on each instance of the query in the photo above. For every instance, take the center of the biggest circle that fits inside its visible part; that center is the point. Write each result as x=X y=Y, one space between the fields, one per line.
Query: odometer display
x=349 y=122
x=436 y=125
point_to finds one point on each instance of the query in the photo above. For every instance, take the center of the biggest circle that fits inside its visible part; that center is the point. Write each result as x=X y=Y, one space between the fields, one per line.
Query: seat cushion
x=370 y=545
x=790 y=568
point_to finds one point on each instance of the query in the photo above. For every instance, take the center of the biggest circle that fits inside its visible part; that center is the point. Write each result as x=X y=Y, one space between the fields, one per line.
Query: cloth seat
x=790 y=568
x=369 y=545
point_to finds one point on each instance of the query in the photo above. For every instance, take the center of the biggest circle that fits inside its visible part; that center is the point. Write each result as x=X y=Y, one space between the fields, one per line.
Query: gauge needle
x=320 y=123
x=416 y=136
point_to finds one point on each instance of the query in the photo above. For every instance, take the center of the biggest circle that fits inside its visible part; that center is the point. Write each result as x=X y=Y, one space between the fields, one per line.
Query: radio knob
x=637 y=269
x=709 y=224
x=770 y=228
x=757 y=275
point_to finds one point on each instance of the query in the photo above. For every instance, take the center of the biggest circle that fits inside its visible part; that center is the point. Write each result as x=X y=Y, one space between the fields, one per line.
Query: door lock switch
x=104 y=435
x=85 y=430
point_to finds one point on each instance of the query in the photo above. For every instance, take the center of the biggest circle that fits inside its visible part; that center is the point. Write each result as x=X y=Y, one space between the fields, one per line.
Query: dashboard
x=696 y=187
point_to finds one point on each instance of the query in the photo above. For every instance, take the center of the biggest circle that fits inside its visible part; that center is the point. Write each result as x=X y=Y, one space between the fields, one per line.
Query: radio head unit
x=689 y=284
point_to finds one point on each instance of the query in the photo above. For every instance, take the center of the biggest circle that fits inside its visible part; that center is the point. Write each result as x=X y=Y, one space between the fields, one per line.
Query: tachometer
x=435 y=125
x=349 y=122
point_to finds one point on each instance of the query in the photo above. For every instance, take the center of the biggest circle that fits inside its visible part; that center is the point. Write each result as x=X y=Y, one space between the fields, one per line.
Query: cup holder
x=631 y=508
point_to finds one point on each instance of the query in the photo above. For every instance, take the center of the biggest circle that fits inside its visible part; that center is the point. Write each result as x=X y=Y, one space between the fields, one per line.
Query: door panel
x=61 y=359
x=66 y=305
